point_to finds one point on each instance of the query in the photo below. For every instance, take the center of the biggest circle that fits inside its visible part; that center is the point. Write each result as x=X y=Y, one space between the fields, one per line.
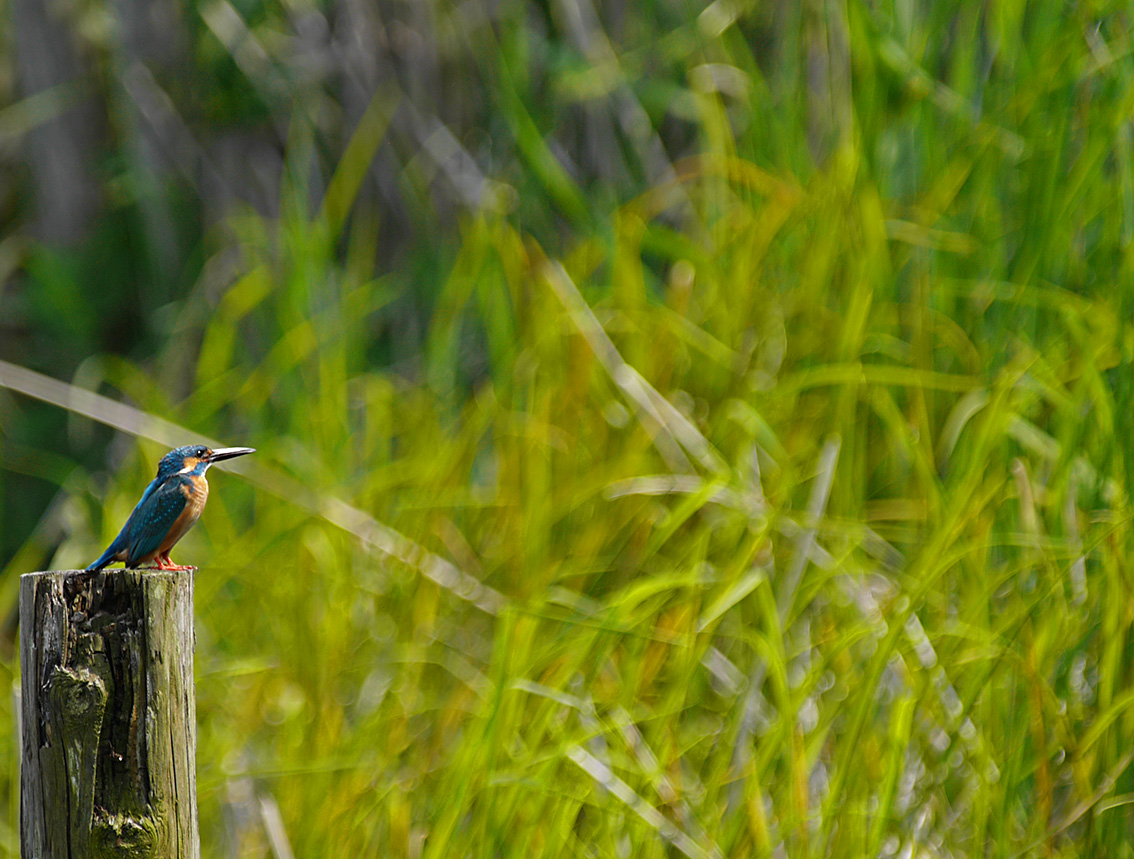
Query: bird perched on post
x=169 y=507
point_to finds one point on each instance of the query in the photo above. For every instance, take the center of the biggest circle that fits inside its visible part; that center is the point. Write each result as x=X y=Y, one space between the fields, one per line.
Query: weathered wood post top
x=108 y=711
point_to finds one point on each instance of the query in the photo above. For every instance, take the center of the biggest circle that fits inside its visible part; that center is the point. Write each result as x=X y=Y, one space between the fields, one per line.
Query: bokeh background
x=683 y=429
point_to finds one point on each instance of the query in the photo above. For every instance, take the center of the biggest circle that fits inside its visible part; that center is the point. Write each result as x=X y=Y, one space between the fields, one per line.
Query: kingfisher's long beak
x=228 y=453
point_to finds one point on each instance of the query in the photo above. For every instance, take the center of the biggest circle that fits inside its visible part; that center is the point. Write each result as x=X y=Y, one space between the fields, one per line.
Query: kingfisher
x=169 y=507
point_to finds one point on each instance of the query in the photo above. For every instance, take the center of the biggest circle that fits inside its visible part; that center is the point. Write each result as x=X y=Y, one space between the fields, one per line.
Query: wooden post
x=108 y=714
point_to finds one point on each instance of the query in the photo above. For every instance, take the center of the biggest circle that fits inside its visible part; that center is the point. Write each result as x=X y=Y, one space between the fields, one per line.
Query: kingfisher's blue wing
x=122 y=541
x=153 y=518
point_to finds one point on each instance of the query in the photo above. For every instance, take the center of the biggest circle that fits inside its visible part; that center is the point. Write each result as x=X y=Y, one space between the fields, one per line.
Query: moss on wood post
x=109 y=715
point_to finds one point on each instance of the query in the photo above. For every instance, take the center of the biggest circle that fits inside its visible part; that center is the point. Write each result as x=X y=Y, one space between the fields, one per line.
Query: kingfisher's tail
x=117 y=550
x=112 y=551
x=106 y=558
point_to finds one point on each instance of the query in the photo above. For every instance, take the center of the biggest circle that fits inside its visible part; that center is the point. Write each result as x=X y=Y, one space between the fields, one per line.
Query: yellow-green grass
x=800 y=490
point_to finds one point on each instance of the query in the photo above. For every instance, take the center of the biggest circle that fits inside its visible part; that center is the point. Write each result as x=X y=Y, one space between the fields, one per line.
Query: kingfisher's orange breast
x=195 y=498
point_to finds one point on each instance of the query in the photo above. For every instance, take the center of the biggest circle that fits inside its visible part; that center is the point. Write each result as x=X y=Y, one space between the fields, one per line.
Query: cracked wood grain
x=108 y=715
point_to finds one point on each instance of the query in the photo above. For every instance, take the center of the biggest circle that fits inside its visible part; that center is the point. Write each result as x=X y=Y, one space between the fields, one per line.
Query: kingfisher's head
x=196 y=459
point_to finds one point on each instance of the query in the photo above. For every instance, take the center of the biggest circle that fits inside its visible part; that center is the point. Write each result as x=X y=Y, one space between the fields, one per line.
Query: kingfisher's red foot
x=164 y=563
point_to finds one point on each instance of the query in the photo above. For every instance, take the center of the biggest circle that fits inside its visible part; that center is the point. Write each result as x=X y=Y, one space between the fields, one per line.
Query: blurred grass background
x=683 y=429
